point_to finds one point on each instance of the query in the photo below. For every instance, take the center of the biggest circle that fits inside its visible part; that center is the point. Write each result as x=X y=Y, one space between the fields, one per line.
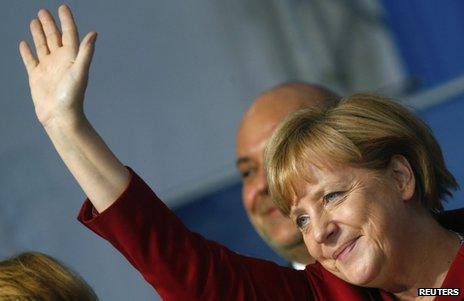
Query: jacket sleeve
x=180 y=264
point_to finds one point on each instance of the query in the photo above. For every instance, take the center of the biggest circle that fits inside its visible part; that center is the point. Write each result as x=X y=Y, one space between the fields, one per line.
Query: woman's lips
x=345 y=249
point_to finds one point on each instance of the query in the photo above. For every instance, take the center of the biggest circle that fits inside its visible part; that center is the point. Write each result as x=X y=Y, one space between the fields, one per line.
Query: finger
x=30 y=62
x=38 y=36
x=85 y=54
x=68 y=27
x=52 y=33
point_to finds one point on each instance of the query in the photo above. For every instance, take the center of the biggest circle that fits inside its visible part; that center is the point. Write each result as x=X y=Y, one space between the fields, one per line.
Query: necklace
x=461 y=237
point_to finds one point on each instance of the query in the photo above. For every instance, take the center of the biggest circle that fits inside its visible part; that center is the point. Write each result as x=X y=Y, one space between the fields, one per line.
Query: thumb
x=85 y=54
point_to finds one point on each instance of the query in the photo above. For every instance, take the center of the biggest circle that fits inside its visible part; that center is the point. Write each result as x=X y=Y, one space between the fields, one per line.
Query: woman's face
x=353 y=219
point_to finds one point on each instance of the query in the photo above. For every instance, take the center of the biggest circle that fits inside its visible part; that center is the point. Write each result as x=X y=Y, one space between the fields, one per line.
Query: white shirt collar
x=298 y=266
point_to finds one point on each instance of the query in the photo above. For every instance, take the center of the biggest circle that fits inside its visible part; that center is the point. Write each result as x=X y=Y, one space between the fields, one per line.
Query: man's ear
x=403 y=176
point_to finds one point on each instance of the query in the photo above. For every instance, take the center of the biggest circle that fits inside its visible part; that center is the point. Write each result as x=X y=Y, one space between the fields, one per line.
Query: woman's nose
x=322 y=228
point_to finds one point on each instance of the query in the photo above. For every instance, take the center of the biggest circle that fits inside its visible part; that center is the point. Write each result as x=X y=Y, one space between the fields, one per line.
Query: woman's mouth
x=343 y=251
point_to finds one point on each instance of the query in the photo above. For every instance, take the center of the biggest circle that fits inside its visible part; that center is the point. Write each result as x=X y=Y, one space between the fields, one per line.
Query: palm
x=53 y=86
x=58 y=76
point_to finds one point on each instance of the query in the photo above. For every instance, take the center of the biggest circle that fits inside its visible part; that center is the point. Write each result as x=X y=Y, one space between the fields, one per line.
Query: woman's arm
x=180 y=265
x=58 y=78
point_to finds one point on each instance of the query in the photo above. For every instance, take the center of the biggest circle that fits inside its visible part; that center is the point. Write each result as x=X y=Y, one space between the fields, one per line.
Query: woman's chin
x=362 y=271
x=360 y=277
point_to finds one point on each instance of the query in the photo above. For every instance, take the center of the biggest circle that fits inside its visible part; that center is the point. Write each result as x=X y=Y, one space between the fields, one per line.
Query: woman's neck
x=424 y=260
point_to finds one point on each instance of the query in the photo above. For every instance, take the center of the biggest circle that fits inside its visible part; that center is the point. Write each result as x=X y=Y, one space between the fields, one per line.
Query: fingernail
x=92 y=39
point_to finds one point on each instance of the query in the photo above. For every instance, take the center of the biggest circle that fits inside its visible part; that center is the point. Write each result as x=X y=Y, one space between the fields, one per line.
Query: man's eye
x=302 y=221
x=246 y=173
x=333 y=196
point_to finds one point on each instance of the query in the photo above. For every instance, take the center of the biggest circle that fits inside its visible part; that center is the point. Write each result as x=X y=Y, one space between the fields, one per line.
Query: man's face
x=256 y=129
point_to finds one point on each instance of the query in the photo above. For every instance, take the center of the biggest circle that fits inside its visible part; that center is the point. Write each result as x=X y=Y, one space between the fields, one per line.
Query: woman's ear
x=403 y=176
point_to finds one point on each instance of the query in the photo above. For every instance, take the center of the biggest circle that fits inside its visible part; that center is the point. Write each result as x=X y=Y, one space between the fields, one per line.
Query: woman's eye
x=333 y=196
x=302 y=221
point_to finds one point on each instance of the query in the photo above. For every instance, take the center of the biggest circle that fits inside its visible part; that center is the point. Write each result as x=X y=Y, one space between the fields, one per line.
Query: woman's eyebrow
x=314 y=196
x=294 y=212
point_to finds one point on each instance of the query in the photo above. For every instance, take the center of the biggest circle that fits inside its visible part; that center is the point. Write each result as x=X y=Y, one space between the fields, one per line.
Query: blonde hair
x=361 y=130
x=39 y=277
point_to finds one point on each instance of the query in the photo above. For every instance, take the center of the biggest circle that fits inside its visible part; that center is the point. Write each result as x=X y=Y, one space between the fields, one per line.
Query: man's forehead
x=274 y=105
x=267 y=111
x=250 y=146
x=260 y=122
x=253 y=134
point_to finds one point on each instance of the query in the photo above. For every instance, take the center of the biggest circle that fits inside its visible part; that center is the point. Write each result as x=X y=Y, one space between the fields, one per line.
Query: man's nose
x=261 y=182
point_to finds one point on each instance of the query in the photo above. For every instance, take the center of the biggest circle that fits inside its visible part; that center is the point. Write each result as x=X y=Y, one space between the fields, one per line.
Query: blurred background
x=169 y=83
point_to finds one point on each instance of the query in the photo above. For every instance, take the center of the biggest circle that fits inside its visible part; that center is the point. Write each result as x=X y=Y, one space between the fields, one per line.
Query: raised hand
x=58 y=73
x=58 y=78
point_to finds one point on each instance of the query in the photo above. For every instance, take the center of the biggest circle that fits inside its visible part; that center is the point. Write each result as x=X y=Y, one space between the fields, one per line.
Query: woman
x=36 y=276
x=182 y=265
x=363 y=180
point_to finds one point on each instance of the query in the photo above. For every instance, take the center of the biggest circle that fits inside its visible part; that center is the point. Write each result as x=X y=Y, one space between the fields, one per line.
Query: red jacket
x=182 y=265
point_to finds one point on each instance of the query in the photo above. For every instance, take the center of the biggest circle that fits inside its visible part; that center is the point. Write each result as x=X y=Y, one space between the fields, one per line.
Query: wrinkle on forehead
x=309 y=181
x=319 y=180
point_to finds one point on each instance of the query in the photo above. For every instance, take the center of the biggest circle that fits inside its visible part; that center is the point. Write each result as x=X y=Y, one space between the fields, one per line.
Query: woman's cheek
x=313 y=248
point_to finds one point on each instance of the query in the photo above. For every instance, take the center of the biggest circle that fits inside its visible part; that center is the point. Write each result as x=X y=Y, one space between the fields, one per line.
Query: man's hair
x=39 y=277
x=361 y=130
